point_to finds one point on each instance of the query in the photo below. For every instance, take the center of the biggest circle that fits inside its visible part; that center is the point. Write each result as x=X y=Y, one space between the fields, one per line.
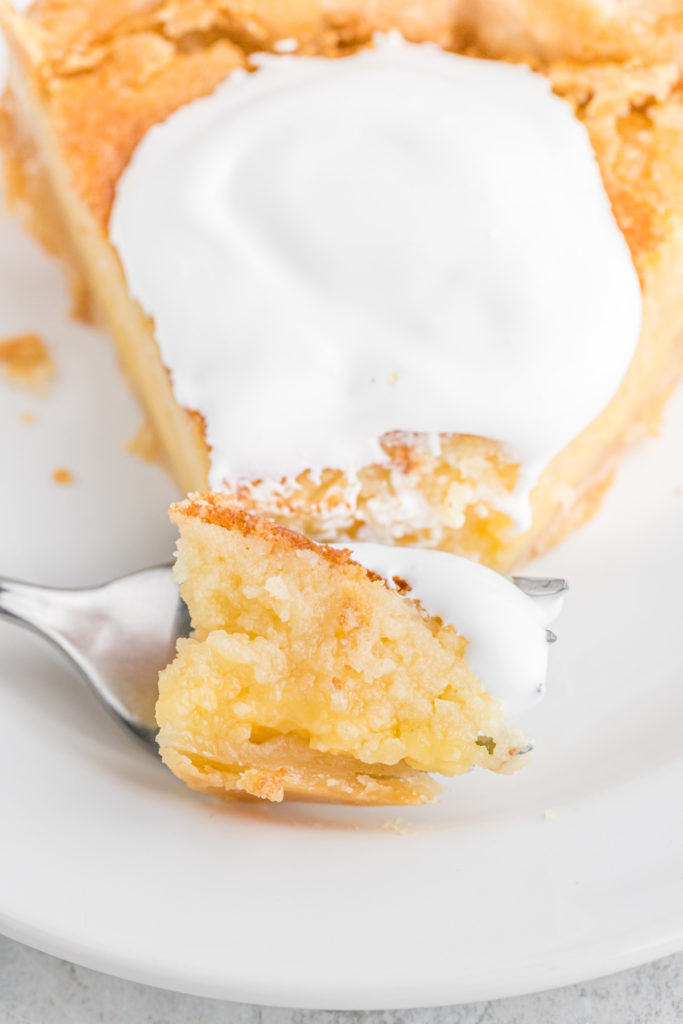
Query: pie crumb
x=27 y=418
x=549 y=815
x=394 y=825
x=62 y=476
x=25 y=360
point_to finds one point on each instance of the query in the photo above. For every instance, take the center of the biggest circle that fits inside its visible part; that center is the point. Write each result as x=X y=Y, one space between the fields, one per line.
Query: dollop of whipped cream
x=506 y=629
x=402 y=239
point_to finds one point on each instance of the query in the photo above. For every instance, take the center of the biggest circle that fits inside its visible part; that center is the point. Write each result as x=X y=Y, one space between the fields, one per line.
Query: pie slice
x=90 y=87
x=309 y=676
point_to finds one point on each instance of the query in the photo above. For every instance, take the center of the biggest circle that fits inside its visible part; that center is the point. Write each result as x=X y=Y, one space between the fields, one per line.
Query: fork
x=119 y=635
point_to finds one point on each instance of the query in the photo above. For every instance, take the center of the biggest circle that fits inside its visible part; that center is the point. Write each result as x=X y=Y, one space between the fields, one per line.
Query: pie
x=308 y=676
x=91 y=84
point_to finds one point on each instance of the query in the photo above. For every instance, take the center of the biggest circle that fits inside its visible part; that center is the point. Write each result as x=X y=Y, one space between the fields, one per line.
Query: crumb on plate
x=62 y=476
x=25 y=360
x=395 y=825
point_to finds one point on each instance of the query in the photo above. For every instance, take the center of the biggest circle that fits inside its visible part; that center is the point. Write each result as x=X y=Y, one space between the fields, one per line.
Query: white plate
x=107 y=860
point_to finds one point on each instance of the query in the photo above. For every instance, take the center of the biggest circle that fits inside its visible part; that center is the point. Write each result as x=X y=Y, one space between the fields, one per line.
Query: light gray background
x=39 y=989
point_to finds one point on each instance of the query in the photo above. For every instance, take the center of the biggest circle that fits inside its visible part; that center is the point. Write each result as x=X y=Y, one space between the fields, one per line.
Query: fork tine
x=540 y=586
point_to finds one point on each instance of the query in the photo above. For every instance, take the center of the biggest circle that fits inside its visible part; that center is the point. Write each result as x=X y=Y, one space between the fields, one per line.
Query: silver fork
x=119 y=635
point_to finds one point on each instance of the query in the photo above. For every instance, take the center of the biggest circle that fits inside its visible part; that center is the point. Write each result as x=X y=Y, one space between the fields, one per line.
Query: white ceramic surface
x=108 y=861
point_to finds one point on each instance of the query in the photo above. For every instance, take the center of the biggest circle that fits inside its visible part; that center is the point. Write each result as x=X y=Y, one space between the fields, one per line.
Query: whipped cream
x=402 y=239
x=506 y=630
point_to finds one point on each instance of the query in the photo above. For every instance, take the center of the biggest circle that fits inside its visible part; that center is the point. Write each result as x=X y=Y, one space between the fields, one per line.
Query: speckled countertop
x=39 y=989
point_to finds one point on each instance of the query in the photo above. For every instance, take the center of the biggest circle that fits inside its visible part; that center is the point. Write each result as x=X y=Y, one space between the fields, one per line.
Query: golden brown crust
x=77 y=30
x=585 y=30
x=219 y=509
x=634 y=116
x=285 y=768
x=101 y=115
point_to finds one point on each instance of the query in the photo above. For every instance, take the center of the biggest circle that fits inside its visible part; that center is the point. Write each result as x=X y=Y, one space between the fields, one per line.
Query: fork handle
x=41 y=609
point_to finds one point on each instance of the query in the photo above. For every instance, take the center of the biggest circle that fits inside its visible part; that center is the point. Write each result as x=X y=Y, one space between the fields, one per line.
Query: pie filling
x=306 y=665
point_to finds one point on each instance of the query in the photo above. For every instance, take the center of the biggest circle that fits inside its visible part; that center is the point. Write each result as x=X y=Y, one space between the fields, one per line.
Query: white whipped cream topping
x=506 y=629
x=403 y=239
